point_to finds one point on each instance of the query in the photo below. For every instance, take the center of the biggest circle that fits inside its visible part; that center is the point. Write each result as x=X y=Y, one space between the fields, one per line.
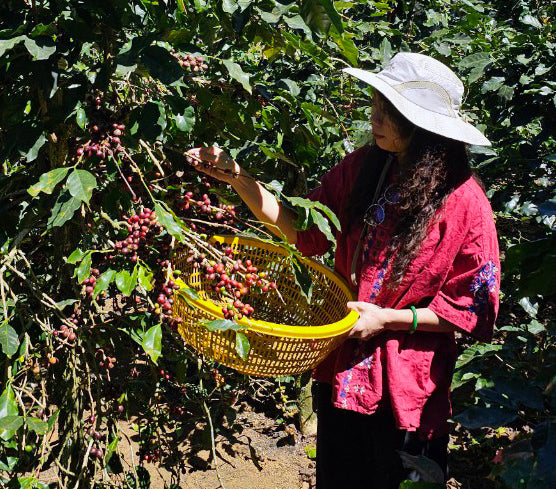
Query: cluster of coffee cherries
x=90 y=282
x=105 y=360
x=188 y=61
x=142 y=227
x=224 y=214
x=105 y=141
x=153 y=454
x=164 y=302
x=95 y=452
x=66 y=332
x=232 y=279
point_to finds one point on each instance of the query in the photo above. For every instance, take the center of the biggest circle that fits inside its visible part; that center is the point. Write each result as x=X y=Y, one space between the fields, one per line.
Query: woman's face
x=386 y=133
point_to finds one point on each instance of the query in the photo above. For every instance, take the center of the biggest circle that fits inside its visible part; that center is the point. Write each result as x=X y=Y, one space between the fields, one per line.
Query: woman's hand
x=218 y=163
x=372 y=320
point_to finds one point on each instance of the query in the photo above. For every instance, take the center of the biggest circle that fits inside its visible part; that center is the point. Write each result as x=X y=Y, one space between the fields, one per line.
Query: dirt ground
x=261 y=457
x=265 y=455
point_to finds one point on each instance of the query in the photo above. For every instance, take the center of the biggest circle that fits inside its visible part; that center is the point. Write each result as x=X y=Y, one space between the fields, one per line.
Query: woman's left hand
x=372 y=320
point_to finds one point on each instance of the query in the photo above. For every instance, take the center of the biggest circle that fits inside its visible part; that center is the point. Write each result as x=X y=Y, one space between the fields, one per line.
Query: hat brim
x=450 y=127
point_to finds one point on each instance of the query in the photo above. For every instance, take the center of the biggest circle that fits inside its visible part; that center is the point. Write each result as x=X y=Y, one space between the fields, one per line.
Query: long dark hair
x=433 y=168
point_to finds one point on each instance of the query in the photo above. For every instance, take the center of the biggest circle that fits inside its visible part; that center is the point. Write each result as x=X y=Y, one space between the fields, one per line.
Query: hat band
x=411 y=85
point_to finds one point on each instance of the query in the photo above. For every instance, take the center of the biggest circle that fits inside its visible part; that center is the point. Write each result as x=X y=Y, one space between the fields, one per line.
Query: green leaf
x=104 y=281
x=302 y=277
x=48 y=181
x=11 y=423
x=33 y=151
x=479 y=417
x=347 y=46
x=242 y=345
x=229 y=6
x=311 y=451
x=81 y=118
x=81 y=184
x=292 y=86
x=9 y=465
x=145 y=278
x=320 y=14
x=52 y=419
x=37 y=425
x=310 y=204
x=8 y=44
x=223 y=325
x=126 y=281
x=168 y=221
x=152 y=342
x=238 y=74
x=297 y=22
x=189 y=292
x=84 y=269
x=186 y=121
x=76 y=256
x=8 y=407
x=39 y=52
x=323 y=225
x=161 y=64
x=8 y=339
x=111 y=448
x=63 y=210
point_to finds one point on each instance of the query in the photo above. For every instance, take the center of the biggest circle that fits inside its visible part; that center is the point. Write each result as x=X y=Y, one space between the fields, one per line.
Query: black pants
x=359 y=451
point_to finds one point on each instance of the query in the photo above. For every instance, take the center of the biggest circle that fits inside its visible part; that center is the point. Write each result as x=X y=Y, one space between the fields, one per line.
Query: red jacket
x=456 y=273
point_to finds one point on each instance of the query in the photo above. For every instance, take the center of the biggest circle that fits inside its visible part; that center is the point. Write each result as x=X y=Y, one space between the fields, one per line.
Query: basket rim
x=275 y=329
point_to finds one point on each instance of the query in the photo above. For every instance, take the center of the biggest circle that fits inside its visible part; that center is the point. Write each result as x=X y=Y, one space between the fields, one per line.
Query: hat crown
x=424 y=81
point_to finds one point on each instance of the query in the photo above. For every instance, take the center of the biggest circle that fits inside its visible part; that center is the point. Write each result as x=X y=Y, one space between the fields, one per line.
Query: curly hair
x=434 y=166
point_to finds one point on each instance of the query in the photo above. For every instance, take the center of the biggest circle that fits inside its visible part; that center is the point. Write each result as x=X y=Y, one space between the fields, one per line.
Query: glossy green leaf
x=302 y=278
x=223 y=325
x=33 y=152
x=8 y=408
x=152 y=342
x=237 y=74
x=11 y=423
x=185 y=122
x=84 y=269
x=145 y=278
x=81 y=118
x=9 y=340
x=81 y=184
x=103 y=281
x=39 y=426
x=48 y=181
x=76 y=256
x=242 y=345
x=126 y=281
x=63 y=210
x=168 y=221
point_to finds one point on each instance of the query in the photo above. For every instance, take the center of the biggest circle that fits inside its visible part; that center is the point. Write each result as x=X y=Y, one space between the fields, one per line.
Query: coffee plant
x=99 y=102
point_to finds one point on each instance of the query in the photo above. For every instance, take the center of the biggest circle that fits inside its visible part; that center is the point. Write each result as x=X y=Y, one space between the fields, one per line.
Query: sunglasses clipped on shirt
x=376 y=213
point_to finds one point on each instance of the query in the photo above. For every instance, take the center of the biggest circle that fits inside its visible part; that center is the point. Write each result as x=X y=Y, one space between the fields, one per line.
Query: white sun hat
x=426 y=92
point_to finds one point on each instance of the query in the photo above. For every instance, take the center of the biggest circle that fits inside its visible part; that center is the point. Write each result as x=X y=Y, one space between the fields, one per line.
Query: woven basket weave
x=286 y=337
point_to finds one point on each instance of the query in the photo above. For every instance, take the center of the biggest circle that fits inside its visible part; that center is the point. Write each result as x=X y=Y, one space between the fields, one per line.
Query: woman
x=419 y=246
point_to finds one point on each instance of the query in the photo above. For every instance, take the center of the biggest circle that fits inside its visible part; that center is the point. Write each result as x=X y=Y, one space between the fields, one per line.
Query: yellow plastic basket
x=300 y=335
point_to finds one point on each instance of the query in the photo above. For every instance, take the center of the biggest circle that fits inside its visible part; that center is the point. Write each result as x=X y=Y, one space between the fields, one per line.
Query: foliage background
x=274 y=96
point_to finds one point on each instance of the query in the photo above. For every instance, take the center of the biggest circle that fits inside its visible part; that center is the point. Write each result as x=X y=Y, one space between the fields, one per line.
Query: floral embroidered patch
x=379 y=280
x=482 y=286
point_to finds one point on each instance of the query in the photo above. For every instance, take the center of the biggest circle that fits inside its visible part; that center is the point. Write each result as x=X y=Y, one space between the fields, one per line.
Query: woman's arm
x=262 y=203
x=374 y=319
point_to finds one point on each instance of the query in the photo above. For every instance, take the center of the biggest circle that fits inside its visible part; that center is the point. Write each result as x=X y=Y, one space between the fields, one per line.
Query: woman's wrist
x=398 y=319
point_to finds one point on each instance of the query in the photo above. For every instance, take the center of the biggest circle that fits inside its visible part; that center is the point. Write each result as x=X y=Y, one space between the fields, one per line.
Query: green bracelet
x=414 y=326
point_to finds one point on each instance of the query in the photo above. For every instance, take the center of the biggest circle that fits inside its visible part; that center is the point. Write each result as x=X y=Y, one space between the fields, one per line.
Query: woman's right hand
x=218 y=163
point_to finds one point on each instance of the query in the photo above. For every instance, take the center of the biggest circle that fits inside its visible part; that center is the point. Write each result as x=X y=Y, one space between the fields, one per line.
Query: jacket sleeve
x=469 y=297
